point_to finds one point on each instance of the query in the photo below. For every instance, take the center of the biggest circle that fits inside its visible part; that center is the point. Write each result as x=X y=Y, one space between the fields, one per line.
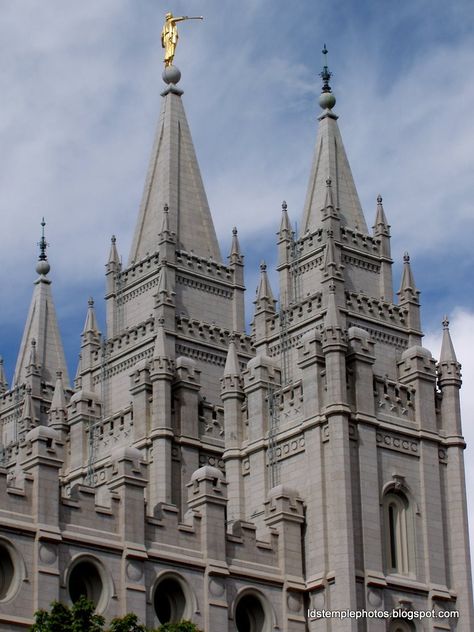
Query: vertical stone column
x=161 y=433
x=233 y=396
x=417 y=368
x=42 y=459
x=361 y=359
x=337 y=458
x=83 y=413
x=460 y=577
x=284 y=512
x=207 y=496
x=261 y=376
x=186 y=395
x=129 y=480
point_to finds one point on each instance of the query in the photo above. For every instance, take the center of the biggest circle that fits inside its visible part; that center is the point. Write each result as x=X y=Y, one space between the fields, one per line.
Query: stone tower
x=246 y=482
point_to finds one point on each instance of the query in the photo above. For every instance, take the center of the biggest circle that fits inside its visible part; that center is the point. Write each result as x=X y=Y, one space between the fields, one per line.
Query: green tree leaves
x=81 y=618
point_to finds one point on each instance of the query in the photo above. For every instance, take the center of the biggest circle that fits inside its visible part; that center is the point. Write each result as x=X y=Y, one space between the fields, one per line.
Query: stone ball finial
x=171 y=75
x=327 y=100
x=43 y=267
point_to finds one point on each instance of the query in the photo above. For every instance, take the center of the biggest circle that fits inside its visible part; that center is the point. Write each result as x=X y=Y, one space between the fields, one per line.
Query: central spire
x=330 y=162
x=174 y=179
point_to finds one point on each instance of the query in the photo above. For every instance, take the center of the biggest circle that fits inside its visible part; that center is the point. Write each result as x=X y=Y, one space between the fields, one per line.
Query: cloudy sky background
x=80 y=85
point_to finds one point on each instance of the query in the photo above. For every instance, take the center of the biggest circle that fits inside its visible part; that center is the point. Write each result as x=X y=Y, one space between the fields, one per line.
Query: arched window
x=171 y=599
x=252 y=613
x=398 y=540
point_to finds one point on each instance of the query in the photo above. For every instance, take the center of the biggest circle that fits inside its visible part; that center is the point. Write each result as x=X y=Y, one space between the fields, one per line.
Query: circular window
x=170 y=600
x=250 y=614
x=85 y=580
x=7 y=571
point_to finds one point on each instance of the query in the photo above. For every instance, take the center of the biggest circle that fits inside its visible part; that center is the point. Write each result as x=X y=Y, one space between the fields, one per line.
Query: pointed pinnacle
x=329 y=201
x=113 y=254
x=165 y=224
x=232 y=367
x=381 y=225
x=264 y=289
x=58 y=403
x=163 y=282
x=285 y=225
x=28 y=407
x=160 y=349
x=447 y=348
x=33 y=358
x=332 y=318
x=235 y=254
x=329 y=254
x=408 y=280
x=90 y=325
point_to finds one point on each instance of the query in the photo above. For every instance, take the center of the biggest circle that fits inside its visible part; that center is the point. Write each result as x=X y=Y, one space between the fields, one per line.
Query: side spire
x=235 y=255
x=381 y=226
x=114 y=258
x=264 y=298
x=407 y=286
x=90 y=325
x=447 y=355
x=42 y=327
x=58 y=409
x=174 y=178
x=232 y=367
x=330 y=162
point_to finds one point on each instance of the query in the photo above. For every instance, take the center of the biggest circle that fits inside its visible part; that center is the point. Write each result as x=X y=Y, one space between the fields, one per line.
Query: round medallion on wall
x=135 y=571
x=374 y=597
x=294 y=601
x=47 y=553
x=216 y=587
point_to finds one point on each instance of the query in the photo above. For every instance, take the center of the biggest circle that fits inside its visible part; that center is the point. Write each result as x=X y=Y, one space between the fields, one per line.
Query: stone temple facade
x=197 y=471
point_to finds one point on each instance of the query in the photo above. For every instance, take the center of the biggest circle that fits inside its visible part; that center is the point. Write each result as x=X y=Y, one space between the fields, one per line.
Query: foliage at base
x=81 y=618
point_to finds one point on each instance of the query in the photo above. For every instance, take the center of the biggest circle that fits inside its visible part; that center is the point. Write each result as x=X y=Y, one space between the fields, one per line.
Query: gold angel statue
x=169 y=35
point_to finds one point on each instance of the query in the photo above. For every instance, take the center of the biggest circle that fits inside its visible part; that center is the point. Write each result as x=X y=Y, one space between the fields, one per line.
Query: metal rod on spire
x=42 y=243
x=325 y=74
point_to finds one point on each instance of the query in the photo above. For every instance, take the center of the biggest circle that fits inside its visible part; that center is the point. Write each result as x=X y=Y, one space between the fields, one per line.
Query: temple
x=246 y=481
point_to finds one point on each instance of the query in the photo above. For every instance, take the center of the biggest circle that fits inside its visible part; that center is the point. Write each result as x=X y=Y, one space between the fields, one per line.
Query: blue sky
x=80 y=86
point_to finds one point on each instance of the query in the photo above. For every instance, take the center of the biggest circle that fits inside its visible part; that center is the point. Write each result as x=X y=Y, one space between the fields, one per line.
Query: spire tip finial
x=42 y=267
x=327 y=100
x=406 y=258
x=445 y=322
